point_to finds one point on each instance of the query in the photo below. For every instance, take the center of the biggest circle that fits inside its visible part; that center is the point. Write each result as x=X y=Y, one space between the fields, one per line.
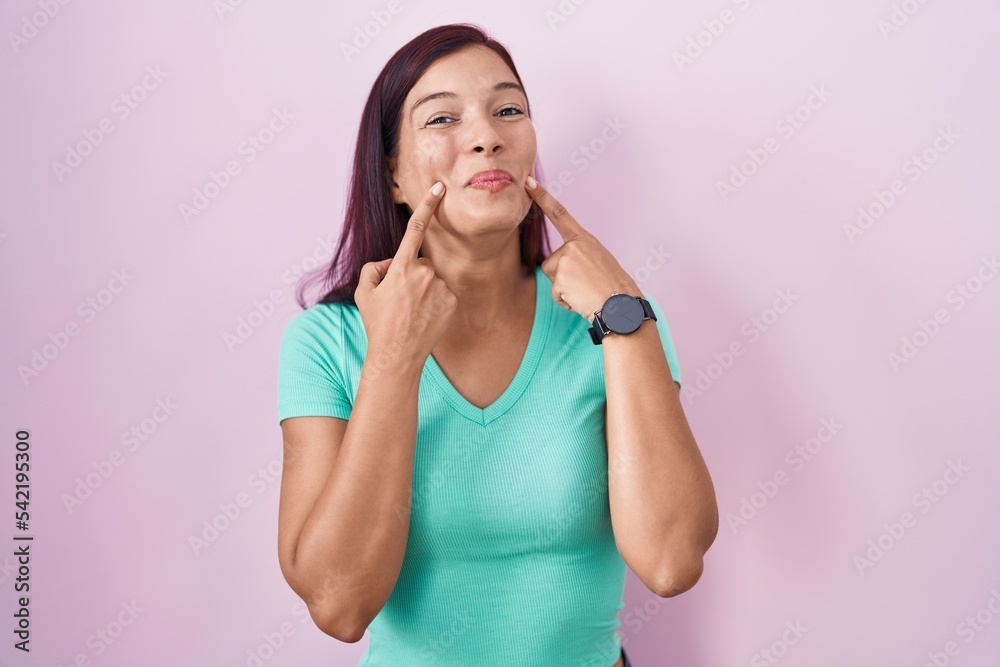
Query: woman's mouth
x=494 y=180
x=492 y=186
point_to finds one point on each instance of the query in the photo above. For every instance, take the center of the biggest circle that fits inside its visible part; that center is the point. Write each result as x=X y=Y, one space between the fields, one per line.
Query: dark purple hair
x=374 y=224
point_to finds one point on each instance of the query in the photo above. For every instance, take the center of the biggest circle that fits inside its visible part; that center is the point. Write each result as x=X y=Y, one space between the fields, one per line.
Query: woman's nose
x=483 y=135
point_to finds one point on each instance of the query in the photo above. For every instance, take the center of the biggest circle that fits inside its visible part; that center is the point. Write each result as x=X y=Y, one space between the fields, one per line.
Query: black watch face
x=623 y=313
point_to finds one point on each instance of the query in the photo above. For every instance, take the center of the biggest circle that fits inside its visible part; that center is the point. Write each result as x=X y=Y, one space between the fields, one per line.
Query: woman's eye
x=517 y=111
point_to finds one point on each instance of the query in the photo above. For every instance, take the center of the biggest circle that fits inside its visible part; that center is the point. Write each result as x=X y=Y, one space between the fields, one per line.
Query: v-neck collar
x=529 y=362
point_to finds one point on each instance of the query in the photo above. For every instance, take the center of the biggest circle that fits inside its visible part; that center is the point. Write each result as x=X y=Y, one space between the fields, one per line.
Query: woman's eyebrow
x=503 y=85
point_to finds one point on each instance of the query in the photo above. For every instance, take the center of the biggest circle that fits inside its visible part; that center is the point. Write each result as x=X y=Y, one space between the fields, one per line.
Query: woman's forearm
x=663 y=505
x=351 y=547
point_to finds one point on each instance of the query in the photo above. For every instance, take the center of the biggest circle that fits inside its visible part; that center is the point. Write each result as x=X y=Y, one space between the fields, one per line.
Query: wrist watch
x=620 y=314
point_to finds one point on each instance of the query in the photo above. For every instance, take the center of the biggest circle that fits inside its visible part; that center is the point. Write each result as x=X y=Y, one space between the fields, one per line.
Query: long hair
x=373 y=223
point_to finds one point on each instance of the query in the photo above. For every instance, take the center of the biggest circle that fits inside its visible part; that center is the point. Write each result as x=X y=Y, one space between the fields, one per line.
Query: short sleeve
x=667 y=340
x=310 y=377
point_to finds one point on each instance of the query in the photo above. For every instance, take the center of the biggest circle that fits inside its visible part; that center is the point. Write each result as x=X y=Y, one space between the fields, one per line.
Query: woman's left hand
x=583 y=272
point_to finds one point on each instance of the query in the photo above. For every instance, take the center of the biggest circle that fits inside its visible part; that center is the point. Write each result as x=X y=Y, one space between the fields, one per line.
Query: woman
x=466 y=472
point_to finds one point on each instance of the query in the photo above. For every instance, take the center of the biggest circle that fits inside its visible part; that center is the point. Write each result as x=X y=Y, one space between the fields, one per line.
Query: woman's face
x=474 y=128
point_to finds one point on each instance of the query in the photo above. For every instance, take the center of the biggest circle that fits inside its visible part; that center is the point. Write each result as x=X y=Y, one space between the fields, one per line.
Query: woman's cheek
x=441 y=214
x=425 y=152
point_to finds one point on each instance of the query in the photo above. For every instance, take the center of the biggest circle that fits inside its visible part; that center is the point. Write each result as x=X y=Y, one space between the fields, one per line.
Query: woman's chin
x=483 y=221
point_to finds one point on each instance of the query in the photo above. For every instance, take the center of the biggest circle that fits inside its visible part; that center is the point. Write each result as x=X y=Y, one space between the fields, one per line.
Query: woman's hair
x=374 y=224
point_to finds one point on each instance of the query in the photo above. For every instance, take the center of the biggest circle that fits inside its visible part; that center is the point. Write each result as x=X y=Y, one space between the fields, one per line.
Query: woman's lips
x=493 y=180
x=492 y=184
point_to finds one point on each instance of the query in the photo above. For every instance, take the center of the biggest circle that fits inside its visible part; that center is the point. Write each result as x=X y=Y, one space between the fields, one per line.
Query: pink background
x=651 y=190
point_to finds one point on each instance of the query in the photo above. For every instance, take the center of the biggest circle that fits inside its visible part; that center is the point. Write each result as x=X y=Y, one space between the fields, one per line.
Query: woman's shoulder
x=324 y=314
x=320 y=322
x=312 y=364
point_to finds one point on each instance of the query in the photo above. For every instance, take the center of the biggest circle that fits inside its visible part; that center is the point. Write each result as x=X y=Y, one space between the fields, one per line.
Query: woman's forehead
x=469 y=71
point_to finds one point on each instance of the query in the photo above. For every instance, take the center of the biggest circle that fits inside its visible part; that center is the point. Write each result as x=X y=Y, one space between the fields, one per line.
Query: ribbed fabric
x=510 y=558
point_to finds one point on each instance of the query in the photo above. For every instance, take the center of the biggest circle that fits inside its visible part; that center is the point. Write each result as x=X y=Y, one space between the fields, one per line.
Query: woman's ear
x=397 y=192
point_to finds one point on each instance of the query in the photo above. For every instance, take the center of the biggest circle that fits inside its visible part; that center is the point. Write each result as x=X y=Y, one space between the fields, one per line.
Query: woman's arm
x=346 y=488
x=663 y=505
x=345 y=499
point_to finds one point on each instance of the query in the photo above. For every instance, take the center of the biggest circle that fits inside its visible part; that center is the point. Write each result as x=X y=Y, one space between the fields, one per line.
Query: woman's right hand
x=405 y=307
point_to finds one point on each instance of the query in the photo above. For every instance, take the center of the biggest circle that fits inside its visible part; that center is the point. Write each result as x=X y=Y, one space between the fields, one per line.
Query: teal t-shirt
x=511 y=558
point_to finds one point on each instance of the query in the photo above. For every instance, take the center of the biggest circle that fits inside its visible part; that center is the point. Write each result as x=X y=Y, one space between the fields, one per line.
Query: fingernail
x=437 y=188
x=531 y=182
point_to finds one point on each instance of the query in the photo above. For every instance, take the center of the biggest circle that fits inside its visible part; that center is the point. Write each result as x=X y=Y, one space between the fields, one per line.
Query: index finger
x=417 y=225
x=565 y=224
